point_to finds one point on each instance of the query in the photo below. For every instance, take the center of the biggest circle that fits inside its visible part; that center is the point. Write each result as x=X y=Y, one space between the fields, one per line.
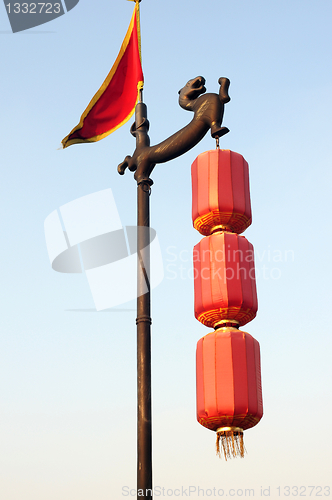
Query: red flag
x=115 y=101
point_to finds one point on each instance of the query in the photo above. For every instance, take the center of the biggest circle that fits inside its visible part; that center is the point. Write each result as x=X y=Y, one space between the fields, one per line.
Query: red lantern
x=228 y=385
x=224 y=279
x=220 y=192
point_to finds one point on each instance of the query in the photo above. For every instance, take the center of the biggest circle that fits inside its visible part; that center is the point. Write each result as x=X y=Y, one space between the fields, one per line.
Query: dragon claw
x=122 y=167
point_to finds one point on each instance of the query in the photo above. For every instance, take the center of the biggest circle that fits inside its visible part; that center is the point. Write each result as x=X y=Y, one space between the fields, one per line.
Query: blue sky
x=67 y=378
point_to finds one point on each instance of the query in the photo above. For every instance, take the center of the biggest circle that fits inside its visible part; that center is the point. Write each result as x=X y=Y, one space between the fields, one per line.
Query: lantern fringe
x=230 y=443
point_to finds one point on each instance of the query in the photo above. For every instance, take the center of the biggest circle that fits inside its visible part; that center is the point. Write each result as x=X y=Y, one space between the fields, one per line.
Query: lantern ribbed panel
x=220 y=192
x=228 y=376
x=228 y=373
x=224 y=279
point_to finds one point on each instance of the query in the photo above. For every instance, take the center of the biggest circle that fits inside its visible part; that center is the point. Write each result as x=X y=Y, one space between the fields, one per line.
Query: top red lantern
x=221 y=197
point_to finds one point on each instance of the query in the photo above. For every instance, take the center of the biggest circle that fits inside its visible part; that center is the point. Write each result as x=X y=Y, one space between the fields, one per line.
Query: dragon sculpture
x=208 y=115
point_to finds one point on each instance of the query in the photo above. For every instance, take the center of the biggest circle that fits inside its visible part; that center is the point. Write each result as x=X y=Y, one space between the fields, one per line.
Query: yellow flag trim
x=104 y=86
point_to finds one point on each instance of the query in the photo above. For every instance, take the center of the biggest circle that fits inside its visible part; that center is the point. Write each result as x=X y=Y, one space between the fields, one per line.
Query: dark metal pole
x=208 y=114
x=143 y=321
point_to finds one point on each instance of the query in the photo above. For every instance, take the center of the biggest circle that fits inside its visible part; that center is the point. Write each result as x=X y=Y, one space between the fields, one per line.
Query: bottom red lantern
x=228 y=384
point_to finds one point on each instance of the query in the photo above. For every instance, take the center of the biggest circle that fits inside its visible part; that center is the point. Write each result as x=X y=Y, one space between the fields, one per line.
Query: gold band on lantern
x=217 y=220
x=219 y=227
x=215 y=317
x=229 y=429
x=227 y=323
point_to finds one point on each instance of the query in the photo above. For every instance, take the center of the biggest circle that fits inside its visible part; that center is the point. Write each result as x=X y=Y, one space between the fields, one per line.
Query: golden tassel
x=230 y=441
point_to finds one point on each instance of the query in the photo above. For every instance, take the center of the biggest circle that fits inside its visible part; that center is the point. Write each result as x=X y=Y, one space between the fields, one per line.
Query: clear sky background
x=68 y=376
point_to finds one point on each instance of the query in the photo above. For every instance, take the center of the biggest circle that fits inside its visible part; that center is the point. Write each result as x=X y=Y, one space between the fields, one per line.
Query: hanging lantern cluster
x=228 y=373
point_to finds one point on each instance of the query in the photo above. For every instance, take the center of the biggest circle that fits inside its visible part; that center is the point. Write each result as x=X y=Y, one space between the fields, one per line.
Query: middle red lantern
x=224 y=279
